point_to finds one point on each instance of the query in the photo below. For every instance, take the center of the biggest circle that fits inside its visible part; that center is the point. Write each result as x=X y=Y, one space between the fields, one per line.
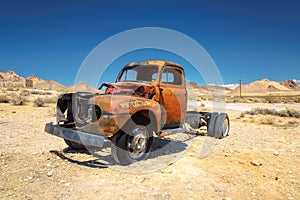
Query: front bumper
x=78 y=136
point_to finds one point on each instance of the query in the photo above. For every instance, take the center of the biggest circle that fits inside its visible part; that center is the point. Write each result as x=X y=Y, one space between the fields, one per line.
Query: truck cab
x=166 y=85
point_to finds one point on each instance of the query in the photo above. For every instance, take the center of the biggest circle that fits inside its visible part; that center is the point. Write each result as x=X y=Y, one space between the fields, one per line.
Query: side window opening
x=154 y=76
x=171 y=76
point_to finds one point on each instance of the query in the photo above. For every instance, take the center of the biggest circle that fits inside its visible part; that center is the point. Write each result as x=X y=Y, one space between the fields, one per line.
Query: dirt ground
x=255 y=162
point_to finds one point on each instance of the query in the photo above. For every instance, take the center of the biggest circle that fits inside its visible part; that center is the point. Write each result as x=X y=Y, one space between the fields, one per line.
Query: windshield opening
x=139 y=73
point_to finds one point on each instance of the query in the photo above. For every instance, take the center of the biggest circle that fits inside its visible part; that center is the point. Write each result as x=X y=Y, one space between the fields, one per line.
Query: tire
x=211 y=124
x=133 y=143
x=74 y=145
x=218 y=125
x=222 y=126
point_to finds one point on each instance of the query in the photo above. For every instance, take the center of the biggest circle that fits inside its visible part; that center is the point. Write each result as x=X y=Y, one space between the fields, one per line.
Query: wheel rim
x=225 y=127
x=137 y=143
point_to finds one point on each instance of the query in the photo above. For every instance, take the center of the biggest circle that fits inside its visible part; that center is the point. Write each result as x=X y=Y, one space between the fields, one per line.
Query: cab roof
x=159 y=63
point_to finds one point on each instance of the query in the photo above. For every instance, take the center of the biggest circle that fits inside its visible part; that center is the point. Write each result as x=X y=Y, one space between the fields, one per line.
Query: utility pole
x=241 y=88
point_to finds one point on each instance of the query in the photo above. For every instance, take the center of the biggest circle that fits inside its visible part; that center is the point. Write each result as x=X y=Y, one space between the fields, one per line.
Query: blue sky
x=247 y=40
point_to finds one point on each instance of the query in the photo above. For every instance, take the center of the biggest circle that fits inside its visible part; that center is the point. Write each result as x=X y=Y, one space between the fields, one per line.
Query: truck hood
x=137 y=89
x=123 y=104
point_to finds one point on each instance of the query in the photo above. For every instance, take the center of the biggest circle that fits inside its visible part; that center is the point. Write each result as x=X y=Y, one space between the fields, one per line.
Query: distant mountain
x=82 y=87
x=261 y=87
x=207 y=89
x=12 y=79
x=266 y=86
x=291 y=84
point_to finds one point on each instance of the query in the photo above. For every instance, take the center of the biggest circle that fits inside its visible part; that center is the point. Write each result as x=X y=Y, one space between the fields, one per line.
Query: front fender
x=118 y=109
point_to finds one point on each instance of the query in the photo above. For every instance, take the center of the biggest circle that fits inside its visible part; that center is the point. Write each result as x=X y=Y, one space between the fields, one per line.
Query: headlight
x=94 y=113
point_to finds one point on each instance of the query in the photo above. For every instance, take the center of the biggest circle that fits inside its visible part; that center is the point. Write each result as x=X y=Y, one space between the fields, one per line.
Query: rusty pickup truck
x=147 y=98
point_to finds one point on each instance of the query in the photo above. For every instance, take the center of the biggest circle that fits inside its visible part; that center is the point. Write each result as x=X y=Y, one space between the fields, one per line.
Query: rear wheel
x=222 y=126
x=211 y=124
x=218 y=125
x=133 y=143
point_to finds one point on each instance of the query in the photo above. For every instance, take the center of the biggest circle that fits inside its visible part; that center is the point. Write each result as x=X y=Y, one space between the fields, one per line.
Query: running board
x=165 y=132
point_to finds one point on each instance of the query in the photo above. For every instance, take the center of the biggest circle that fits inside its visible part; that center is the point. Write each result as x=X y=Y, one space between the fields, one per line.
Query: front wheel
x=132 y=144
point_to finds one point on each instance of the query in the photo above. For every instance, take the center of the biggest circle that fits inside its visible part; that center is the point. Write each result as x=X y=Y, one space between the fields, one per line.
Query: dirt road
x=254 y=162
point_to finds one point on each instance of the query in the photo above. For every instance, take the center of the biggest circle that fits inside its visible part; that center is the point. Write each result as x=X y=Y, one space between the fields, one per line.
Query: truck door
x=173 y=96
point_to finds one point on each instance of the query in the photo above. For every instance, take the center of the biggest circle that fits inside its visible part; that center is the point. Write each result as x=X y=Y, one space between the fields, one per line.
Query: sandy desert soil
x=255 y=162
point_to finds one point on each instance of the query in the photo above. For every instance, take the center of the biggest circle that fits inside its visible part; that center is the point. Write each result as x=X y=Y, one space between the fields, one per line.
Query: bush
x=12 y=89
x=39 y=102
x=289 y=113
x=293 y=123
x=4 y=99
x=17 y=100
x=51 y=99
x=263 y=111
x=242 y=114
x=282 y=113
x=41 y=92
x=267 y=120
x=24 y=93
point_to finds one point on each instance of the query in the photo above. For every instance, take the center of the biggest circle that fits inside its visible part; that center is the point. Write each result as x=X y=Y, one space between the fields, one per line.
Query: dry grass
x=25 y=93
x=50 y=99
x=20 y=97
x=243 y=114
x=283 y=118
x=39 y=102
x=17 y=100
x=42 y=101
x=267 y=120
x=288 y=112
x=263 y=99
x=263 y=111
x=37 y=92
x=4 y=99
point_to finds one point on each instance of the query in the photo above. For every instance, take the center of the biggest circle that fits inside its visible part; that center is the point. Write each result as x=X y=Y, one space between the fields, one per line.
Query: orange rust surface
x=166 y=100
x=120 y=108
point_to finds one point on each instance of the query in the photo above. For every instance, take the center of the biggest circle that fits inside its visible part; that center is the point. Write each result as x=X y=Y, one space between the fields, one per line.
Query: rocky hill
x=82 y=87
x=266 y=86
x=290 y=84
x=12 y=79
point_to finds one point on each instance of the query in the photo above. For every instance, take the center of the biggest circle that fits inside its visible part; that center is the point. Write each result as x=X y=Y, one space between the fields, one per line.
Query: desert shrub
x=4 y=99
x=267 y=120
x=24 y=93
x=17 y=100
x=272 y=99
x=293 y=123
x=37 y=92
x=263 y=111
x=52 y=99
x=289 y=113
x=202 y=105
x=282 y=113
x=39 y=102
x=243 y=114
x=12 y=89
